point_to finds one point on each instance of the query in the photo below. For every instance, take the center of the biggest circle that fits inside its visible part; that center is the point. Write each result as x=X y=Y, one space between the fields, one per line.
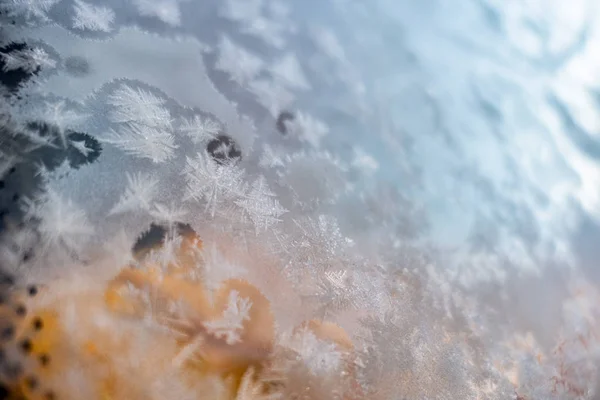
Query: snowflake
x=260 y=205
x=140 y=106
x=200 y=130
x=94 y=18
x=29 y=60
x=139 y=194
x=231 y=323
x=212 y=182
x=144 y=142
x=29 y=8
x=309 y=129
x=238 y=62
x=60 y=222
x=289 y=71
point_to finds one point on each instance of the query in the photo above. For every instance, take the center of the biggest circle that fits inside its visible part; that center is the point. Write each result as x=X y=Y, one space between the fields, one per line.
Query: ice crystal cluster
x=286 y=199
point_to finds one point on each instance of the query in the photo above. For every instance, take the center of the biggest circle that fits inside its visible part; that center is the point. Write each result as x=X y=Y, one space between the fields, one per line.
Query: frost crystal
x=165 y=10
x=231 y=323
x=309 y=129
x=212 y=182
x=28 y=60
x=261 y=206
x=57 y=114
x=94 y=18
x=200 y=130
x=289 y=71
x=60 y=222
x=238 y=62
x=29 y=8
x=143 y=141
x=320 y=357
x=139 y=194
x=139 y=106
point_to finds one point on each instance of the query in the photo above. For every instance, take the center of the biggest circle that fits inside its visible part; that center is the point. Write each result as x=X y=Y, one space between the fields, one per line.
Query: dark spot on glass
x=32 y=290
x=2 y=184
x=7 y=333
x=284 y=117
x=90 y=146
x=13 y=370
x=77 y=66
x=224 y=149
x=50 y=396
x=15 y=197
x=4 y=392
x=26 y=345
x=6 y=279
x=12 y=170
x=27 y=255
x=21 y=310
x=38 y=324
x=44 y=359
x=157 y=234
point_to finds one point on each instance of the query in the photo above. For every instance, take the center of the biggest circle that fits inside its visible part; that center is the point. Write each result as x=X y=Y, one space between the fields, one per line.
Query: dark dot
x=283 y=117
x=44 y=359
x=13 y=371
x=21 y=310
x=38 y=324
x=50 y=396
x=8 y=333
x=6 y=279
x=32 y=290
x=32 y=382
x=2 y=184
x=12 y=170
x=16 y=197
x=4 y=212
x=27 y=256
x=4 y=392
x=26 y=345
x=224 y=149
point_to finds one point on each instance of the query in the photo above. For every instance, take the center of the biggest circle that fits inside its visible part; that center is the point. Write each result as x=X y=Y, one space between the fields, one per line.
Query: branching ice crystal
x=29 y=60
x=261 y=205
x=211 y=182
x=143 y=141
x=139 y=194
x=200 y=130
x=231 y=323
x=91 y=17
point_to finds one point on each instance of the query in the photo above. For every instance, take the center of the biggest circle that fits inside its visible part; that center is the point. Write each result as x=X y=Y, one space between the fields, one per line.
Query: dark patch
x=26 y=346
x=4 y=392
x=156 y=235
x=14 y=79
x=76 y=157
x=8 y=333
x=284 y=117
x=77 y=66
x=224 y=149
x=32 y=290
x=44 y=359
x=38 y=324
x=21 y=310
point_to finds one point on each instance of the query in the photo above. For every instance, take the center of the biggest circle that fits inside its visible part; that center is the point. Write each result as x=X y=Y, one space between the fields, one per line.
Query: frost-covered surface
x=424 y=174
